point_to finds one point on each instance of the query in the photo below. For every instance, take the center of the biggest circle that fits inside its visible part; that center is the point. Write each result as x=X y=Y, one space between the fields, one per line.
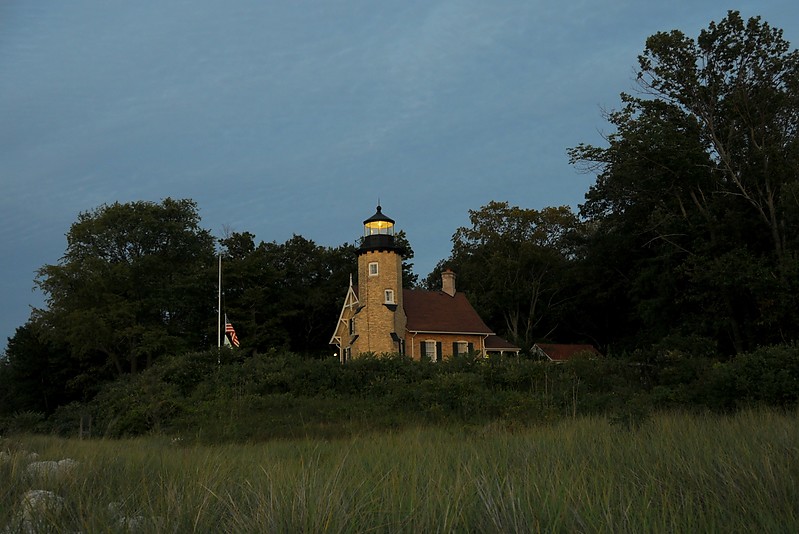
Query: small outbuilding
x=555 y=352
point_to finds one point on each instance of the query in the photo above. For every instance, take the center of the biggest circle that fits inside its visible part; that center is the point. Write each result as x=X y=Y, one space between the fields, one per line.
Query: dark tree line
x=689 y=238
x=691 y=231
x=695 y=204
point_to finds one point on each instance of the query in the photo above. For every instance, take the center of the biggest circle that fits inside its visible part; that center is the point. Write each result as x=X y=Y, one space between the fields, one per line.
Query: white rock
x=38 y=503
x=36 y=512
x=67 y=465
x=52 y=469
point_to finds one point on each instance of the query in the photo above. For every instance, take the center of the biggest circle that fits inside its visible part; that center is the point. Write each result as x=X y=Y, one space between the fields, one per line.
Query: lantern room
x=378 y=232
x=378 y=224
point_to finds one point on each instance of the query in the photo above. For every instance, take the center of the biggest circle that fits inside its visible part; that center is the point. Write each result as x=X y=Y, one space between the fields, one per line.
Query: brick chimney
x=448 y=282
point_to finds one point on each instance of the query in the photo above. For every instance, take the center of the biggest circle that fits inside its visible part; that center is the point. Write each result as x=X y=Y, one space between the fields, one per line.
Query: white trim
x=435 y=343
x=451 y=333
x=350 y=301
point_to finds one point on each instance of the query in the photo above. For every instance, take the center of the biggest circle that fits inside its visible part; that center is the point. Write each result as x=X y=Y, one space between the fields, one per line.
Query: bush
x=280 y=394
x=769 y=375
x=23 y=422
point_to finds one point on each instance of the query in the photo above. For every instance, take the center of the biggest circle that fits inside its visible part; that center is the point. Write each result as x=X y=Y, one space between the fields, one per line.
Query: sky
x=283 y=117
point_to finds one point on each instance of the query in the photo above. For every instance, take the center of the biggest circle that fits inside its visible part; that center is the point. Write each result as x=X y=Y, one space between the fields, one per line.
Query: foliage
x=683 y=264
x=510 y=262
x=284 y=295
x=133 y=284
x=409 y=278
x=767 y=375
x=230 y=396
x=35 y=372
x=688 y=220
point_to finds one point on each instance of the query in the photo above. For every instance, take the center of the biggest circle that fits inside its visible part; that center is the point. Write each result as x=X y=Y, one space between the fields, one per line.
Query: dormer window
x=373 y=268
x=389 y=296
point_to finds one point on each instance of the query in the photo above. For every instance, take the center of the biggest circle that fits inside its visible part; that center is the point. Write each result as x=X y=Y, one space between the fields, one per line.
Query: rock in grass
x=38 y=509
x=134 y=523
x=38 y=503
x=52 y=469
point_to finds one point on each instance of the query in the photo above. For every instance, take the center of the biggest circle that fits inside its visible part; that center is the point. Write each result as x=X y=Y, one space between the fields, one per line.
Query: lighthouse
x=380 y=321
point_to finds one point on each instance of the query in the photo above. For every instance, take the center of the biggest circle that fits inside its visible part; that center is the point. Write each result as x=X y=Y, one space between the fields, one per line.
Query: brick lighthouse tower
x=380 y=321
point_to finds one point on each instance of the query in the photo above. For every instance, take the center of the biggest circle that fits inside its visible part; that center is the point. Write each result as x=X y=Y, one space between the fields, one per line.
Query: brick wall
x=377 y=321
x=414 y=349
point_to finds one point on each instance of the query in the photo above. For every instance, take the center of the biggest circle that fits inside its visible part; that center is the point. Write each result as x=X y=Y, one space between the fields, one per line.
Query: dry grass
x=677 y=473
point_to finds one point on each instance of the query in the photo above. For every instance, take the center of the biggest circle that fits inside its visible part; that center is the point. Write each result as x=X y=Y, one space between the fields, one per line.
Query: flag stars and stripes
x=230 y=333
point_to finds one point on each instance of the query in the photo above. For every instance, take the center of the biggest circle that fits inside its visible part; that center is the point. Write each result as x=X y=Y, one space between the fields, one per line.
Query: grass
x=675 y=473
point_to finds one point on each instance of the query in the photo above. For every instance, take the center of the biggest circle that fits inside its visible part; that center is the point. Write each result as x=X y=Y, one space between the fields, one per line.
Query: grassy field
x=675 y=473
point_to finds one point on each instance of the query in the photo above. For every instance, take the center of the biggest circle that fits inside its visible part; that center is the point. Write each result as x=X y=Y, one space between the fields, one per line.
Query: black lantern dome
x=378 y=232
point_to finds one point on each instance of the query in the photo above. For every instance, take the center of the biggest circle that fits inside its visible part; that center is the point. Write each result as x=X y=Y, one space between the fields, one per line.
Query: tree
x=695 y=194
x=136 y=281
x=740 y=82
x=511 y=263
x=284 y=295
x=409 y=279
x=36 y=373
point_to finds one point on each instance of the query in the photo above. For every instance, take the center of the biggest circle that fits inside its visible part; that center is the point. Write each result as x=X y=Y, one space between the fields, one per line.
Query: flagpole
x=219 y=308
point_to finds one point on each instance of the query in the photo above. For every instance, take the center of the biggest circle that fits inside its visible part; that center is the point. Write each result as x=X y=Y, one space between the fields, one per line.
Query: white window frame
x=373 y=268
x=389 y=296
x=430 y=349
x=463 y=347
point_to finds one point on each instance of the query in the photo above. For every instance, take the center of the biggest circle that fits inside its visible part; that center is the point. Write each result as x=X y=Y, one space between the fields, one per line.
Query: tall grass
x=675 y=473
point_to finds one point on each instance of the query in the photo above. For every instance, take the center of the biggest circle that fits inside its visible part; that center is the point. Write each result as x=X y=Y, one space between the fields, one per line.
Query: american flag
x=230 y=332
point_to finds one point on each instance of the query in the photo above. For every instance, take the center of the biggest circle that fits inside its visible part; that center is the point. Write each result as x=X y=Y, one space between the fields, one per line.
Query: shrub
x=22 y=422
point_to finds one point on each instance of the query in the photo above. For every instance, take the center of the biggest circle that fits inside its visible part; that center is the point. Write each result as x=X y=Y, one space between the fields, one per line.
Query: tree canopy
x=284 y=295
x=511 y=263
x=136 y=281
x=695 y=203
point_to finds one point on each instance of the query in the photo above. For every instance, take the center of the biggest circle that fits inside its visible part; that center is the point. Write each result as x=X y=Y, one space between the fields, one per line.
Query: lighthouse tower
x=381 y=320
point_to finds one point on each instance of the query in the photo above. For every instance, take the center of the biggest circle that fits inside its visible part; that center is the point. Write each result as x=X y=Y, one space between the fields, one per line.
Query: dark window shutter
x=471 y=348
x=439 y=351
x=454 y=348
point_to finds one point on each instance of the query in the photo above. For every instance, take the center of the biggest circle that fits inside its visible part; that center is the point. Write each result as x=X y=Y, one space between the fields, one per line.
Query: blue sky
x=281 y=117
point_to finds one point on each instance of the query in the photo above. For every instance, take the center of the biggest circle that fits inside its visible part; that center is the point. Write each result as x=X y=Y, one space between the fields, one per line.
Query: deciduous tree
x=696 y=191
x=511 y=262
x=136 y=281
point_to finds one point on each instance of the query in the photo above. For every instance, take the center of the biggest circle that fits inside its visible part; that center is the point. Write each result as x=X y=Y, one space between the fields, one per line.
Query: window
x=462 y=347
x=389 y=296
x=353 y=330
x=373 y=269
x=432 y=350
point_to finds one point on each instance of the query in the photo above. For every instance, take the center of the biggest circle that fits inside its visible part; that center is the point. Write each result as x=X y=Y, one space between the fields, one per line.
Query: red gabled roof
x=562 y=353
x=496 y=343
x=435 y=311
